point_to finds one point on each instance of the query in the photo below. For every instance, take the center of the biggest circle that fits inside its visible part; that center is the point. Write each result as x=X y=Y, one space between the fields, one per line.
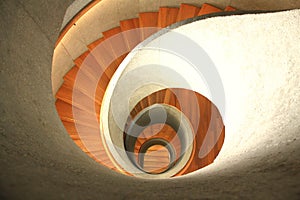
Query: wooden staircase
x=98 y=62
x=206 y=120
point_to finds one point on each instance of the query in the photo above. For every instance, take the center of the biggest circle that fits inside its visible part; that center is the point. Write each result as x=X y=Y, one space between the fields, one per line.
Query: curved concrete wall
x=40 y=161
x=73 y=9
x=107 y=14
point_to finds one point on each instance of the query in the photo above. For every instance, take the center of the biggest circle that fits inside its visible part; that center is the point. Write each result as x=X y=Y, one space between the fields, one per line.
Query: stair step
x=79 y=60
x=138 y=143
x=70 y=127
x=60 y=104
x=84 y=84
x=167 y=16
x=230 y=8
x=111 y=32
x=144 y=103
x=72 y=130
x=81 y=146
x=116 y=41
x=71 y=74
x=86 y=118
x=110 y=69
x=153 y=160
x=93 y=72
x=148 y=19
x=147 y=133
x=108 y=163
x=131 y=32
x=170 y=98
x=160 y=96
x=129 y=24
x=82 y=101
x=89 y=65
x=95 y=43
x=187 y=11
x=97 y=107
x=101 y=152
x=105 y=56
x=151 y=99
x=138 y=108
x=208 y=9
x=90 y=136
x=85 y=123
x=100 y=155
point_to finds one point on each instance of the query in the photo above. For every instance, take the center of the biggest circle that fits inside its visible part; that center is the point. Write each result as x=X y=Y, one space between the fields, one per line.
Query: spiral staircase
x=257 y=58
x=97 y=60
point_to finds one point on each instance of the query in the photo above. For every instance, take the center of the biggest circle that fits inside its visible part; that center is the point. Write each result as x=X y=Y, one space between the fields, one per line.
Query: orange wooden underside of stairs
x=66 y=105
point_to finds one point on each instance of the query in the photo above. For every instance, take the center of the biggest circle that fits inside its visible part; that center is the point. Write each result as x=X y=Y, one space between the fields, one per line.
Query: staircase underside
x=40 y=161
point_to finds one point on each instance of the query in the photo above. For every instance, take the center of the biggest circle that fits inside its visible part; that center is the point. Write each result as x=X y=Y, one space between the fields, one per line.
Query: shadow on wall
x=40 y=161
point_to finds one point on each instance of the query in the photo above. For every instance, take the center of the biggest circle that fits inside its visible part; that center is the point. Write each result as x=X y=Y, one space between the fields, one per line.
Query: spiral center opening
x=156 y=159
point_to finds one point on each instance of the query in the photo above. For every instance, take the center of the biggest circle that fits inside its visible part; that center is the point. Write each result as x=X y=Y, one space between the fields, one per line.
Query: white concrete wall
x=260 y=76
x=73 y=9
x=40 y=161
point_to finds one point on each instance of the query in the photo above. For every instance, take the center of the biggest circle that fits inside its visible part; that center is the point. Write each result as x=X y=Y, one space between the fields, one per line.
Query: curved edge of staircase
x=65 y=103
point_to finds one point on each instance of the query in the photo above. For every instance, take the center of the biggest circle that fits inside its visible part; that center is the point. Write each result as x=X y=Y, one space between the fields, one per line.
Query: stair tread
x=129 y=24
x=187 y=11
x=148 y=20
x=131 y=32
x=68 y=102
x=167 y=16
x=104 y=54
x=86 y=118
x=85 y=85
x=79 y=60
x=116 y=41
x=65 y=93
x=81 y=146
x=111 y=32
x=230 y=8
x=71 y=74
x=95 y=43
x=208 y=9
x=89 y=66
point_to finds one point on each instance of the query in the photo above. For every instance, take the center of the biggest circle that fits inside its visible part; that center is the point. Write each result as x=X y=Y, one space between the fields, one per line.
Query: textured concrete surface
x=39 y=160
x=73 y=9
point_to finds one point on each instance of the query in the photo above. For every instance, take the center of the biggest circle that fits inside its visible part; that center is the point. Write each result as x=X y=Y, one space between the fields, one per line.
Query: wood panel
x=114 y=38
x=156 y=159
x=187 y=11
x=131 y=32
x=148 y=22
x=167 y=16
x=104 y=60
x=230 y=8
x=210 y=126
x=208 y=9
x=95 y=43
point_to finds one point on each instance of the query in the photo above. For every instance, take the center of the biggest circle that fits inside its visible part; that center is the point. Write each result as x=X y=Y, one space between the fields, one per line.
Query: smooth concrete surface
x=40 y=161
x=247 y=62
x=73 y=9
